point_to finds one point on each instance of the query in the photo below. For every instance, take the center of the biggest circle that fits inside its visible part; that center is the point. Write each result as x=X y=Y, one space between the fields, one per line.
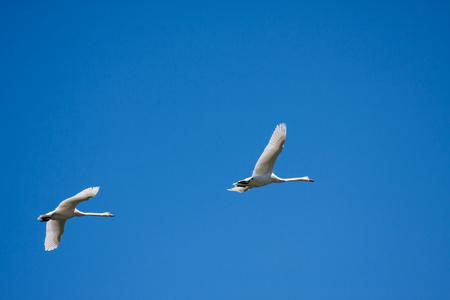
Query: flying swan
x=67 y=210
x=263 y=172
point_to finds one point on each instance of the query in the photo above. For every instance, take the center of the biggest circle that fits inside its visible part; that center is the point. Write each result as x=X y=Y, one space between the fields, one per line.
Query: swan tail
x=239 y=189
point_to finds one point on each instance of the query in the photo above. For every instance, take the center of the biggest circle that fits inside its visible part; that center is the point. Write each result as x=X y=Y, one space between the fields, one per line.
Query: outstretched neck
x=83 y=214
x=297 y=179
x=278 y=179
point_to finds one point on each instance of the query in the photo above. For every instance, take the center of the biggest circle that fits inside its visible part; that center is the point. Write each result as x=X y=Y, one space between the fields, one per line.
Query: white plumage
x=55 y=229
x=263 y=172
x=66 y=210
x=267 y=160
x=72 y=202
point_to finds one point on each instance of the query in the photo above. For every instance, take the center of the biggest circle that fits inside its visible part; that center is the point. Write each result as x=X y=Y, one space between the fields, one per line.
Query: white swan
x=67 y=210
x=263 y=172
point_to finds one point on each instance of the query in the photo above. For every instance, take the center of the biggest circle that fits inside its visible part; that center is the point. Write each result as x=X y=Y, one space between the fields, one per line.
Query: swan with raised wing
x=263 y=172
x=66 y=210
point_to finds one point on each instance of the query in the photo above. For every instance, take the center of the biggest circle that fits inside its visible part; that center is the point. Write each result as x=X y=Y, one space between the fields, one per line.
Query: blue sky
x=164 y=106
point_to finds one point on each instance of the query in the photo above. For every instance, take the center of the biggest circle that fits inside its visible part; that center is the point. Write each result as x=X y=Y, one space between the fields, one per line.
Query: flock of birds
x=262 y=175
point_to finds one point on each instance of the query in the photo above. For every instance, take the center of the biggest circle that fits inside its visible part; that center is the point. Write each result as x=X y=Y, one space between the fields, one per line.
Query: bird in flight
x=263 y=172
x=66 y=210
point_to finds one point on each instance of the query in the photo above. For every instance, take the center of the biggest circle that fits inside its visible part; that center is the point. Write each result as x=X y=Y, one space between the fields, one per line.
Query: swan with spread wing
x=263 y=172
x=66 y=210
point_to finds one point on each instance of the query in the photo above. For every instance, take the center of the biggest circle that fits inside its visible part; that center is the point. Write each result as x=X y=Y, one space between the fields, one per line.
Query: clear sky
x=164 y=106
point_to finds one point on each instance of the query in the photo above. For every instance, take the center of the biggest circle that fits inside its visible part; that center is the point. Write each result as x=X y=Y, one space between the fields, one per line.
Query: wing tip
x=279 y=134
x=90 y=192
x=282 y=127
x=49 y=246
x=94 y=189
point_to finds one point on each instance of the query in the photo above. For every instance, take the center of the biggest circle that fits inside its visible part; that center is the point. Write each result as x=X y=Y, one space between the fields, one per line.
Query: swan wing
x=267 y=160
x=55 y=229
x=72 y=202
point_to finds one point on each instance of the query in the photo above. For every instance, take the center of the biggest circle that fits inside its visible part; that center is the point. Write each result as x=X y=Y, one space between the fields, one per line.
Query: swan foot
x=45 y=218
x=243 y=183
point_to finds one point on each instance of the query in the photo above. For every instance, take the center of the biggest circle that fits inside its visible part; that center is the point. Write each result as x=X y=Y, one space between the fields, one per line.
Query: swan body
x=263 y=172
x=66 y=210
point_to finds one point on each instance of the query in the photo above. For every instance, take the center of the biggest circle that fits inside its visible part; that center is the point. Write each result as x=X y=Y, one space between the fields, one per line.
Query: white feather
x=72 y=202
x=263 y=172
x=267 y=160
x=55 y=229
x=239 y=189
x=66 y=210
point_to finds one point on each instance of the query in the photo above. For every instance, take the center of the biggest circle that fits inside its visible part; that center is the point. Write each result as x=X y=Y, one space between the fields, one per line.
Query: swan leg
x=45 y=218
x=243 y=183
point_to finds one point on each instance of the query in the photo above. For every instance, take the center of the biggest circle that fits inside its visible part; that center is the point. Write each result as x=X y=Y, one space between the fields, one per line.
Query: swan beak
x=111 y=215
x=311 y=180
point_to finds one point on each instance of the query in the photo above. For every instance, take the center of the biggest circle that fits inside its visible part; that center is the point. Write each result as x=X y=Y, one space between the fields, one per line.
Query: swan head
x=309 y=179
x=108 y=214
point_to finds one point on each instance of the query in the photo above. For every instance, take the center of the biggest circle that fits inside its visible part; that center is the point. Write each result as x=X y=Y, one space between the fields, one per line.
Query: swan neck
x=295 y=179
x=93 y=214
